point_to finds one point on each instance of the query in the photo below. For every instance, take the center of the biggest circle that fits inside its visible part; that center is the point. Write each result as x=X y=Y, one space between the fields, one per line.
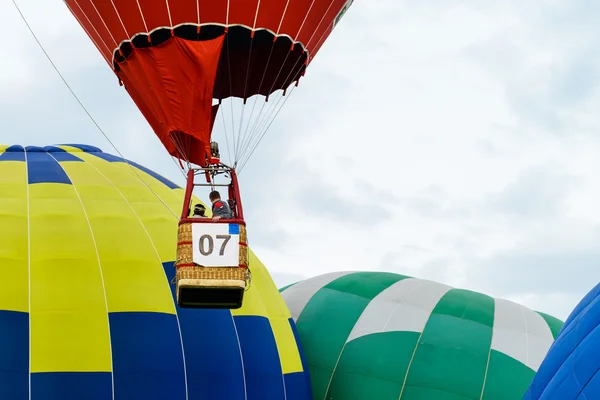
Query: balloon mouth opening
x=237 y=38
x=251 y=61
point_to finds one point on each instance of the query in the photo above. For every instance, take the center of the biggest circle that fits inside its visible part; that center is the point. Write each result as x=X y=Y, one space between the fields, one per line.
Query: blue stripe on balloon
x=58 y=153
x=14 y=355
x=147 y=356
x=17 y=153
x=264 y=377
x=71 y=386
x=64 y=156
x=42 y=168
x=212 y=352
x=295 y=386
x=13 y=153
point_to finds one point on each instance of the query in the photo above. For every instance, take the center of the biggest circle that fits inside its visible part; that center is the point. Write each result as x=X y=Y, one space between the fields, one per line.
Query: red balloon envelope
x=175 y=56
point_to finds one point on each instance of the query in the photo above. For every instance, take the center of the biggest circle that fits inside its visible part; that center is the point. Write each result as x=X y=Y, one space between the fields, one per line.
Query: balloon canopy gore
x=251 y=62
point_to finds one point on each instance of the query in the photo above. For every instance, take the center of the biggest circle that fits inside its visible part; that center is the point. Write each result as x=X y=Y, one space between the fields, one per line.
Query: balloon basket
x=206 y=286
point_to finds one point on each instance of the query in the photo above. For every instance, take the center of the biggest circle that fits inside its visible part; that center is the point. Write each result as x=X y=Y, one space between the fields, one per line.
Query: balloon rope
x=248 y=71
x=257 y=127
x=256 y=130
x=272 y=109
x=182 y=149
x=243 y=142
x=226 y=138
x=268 y=118
x=86 y=111
x=258 y=91
x=266 y=130
x=270 y=112
x=268 y=62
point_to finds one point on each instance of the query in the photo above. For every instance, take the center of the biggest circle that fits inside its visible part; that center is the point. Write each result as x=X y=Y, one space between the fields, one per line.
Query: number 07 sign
x=216 y=245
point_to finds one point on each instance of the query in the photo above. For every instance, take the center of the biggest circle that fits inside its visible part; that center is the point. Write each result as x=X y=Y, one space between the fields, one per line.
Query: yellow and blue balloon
x=87 y=310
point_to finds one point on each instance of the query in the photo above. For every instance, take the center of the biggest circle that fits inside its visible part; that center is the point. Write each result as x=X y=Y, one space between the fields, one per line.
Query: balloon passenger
x=199 y=211
x=220 y=208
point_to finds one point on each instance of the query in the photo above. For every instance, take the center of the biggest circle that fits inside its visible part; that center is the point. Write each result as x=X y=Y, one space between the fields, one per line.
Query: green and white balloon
x=380 y=336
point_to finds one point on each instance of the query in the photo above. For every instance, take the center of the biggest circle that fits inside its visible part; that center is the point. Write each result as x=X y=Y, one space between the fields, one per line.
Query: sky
x=455 y=141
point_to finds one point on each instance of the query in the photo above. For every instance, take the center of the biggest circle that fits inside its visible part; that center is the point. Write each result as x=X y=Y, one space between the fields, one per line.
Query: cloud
x=454 y=141
x=537 y=192
x=547 y=60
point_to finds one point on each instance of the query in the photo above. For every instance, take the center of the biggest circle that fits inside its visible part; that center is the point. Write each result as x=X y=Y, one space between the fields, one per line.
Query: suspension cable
x=85 y=109
x=265 y=131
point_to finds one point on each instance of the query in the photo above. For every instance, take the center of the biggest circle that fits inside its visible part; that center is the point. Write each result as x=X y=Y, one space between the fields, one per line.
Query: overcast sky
x=453 y=141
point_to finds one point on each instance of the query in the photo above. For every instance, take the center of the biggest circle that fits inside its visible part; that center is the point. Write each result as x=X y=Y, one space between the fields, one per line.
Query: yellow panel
x=70 y=149
x=263 y=288
x=14 y=279
x=262 y=299
x=164 y=230
x=275 y=303
x=70 y=341
x=122 y=175
x=286 y=345
x=13 y=172
x=158 y=220
x=129 y=174
x=84 y=172
x=163 y=191
x=254 y=300
x=69 y=323
x=71 y=287
x=133 y=274
x=161 y=226
x=3 y=147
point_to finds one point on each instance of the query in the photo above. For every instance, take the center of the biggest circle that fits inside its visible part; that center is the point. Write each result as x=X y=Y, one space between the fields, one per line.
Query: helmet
x=199 y=209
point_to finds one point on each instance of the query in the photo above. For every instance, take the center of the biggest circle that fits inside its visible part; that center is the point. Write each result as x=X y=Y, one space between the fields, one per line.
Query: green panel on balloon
x=507 y=378
x=329 y=317
x=287 y=286
x=414 y=339
x=429 y=393
x=453 y=351
x=373 y=366
x=554 y=323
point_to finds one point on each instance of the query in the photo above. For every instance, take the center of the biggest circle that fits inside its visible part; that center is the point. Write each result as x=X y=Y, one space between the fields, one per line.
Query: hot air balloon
x=570 y=369
x=86 y=308
x=386 y=336
x=174 y=58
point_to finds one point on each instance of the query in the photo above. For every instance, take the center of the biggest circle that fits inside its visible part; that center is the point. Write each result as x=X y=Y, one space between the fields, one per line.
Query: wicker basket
x=193 y=275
